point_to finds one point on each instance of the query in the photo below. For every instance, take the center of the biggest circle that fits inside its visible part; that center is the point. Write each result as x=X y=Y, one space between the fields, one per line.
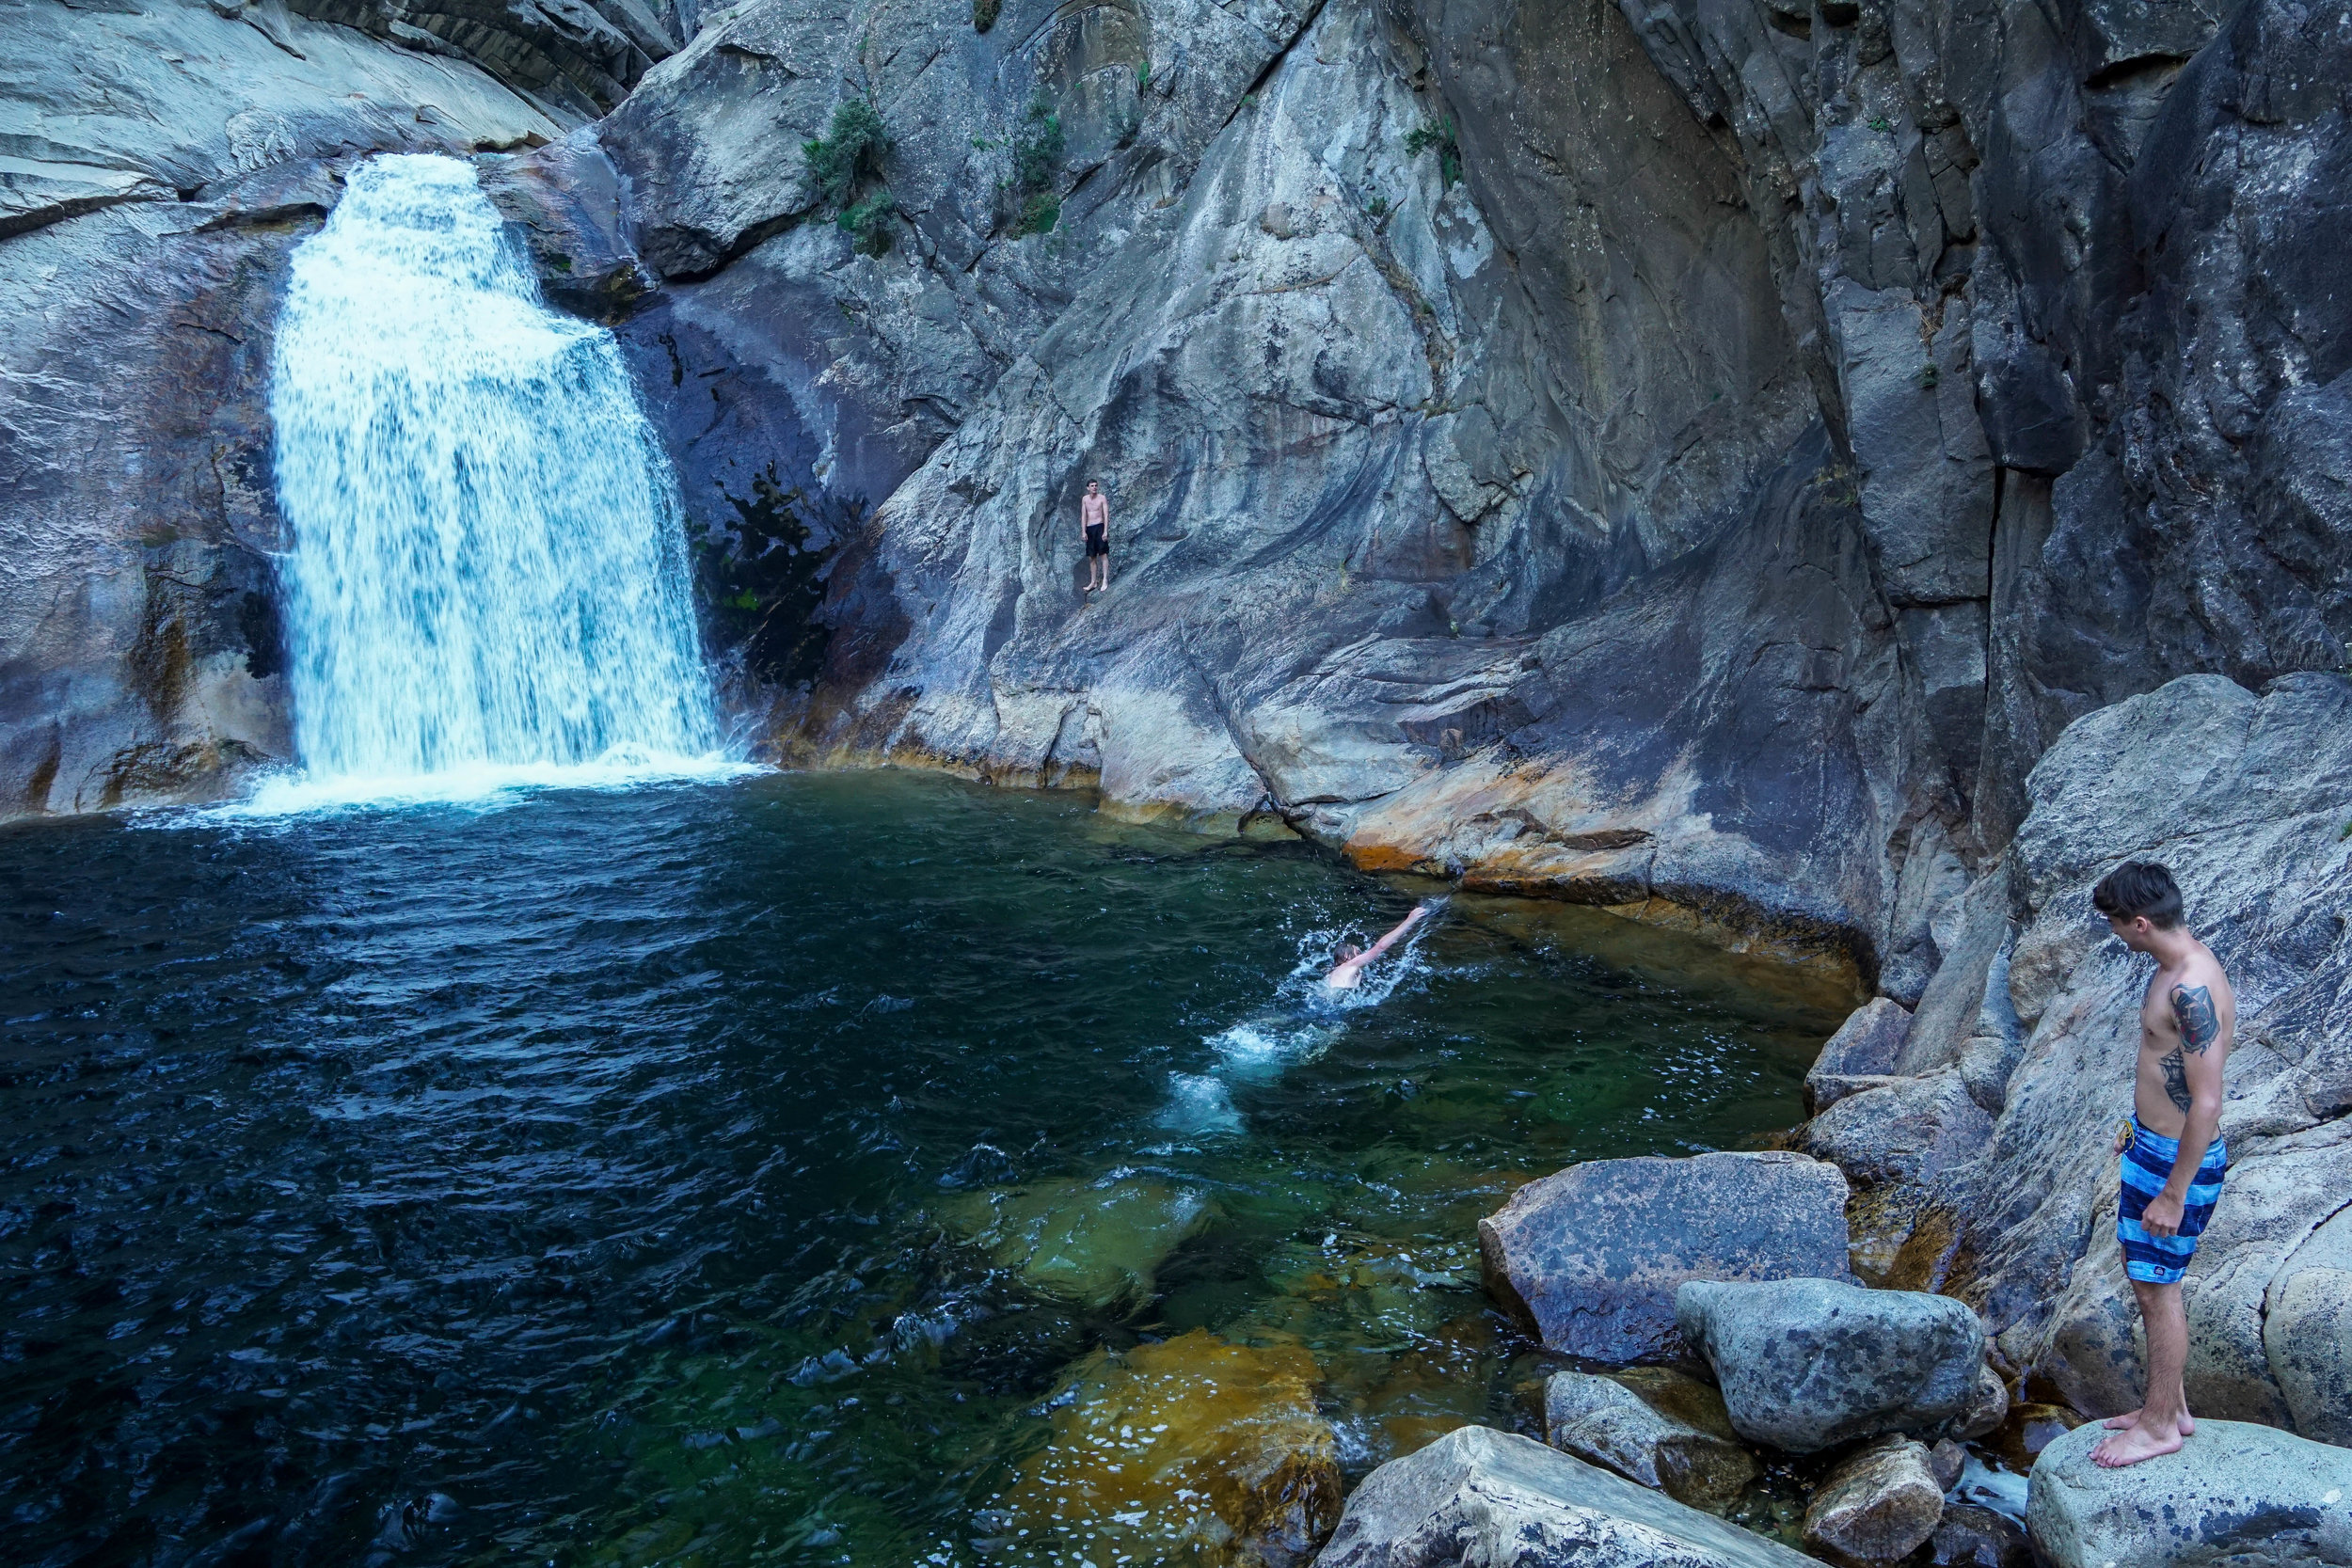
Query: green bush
x=844 y=159
x=1038 y=214
x=1439 y=136
x=1037 y=153
x=984 y=14
x=1037 y=147
x=866 y=222
x=851 y=152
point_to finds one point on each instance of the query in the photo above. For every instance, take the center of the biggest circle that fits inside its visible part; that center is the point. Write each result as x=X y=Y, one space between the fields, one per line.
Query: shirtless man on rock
x=1094 y=523
x=2173 y=1159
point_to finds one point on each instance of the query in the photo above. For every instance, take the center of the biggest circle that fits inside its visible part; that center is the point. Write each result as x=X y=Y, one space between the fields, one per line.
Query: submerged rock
x=1973 y=1536
x=1097 y=1244
x=1807 y=1364
x=1652 y=1425
x=1592 y=1256
x=1482 y=1498
x=2236 y=1494
x=1192 y=1450
x=1877 y=1505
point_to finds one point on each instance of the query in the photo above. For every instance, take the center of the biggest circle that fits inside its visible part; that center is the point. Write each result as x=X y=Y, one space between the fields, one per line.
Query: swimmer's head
x=1349 y=953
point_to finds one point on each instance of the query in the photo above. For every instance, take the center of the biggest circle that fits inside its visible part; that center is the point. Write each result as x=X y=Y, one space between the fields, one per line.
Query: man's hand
x=2122 y=1137
x=2162 y=1217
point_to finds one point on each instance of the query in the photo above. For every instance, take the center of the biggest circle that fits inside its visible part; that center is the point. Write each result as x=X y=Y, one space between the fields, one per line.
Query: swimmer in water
x=1349 y=972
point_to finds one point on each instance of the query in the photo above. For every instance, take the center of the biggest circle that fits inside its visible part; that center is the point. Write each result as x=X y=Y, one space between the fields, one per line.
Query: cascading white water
x=490 y=573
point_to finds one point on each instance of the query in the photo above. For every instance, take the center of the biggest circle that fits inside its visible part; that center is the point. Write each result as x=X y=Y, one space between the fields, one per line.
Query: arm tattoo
x=2176 y=1082
x=2192 y=1009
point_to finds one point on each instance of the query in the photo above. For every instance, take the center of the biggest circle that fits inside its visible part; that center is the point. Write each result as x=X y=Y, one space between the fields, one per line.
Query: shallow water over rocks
x=608 y=1177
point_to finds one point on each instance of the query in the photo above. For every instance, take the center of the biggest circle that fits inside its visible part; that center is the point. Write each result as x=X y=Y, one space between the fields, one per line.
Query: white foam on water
x=482 y=787
x=488 y=588
x=1199 y=1103
x=1263 y=1046
x=1310 y=1017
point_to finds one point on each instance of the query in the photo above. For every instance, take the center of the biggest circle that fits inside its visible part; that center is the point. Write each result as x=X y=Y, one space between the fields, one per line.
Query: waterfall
x=489 y=577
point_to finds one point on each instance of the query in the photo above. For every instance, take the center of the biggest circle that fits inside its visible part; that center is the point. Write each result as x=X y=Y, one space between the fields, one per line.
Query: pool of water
x=627 y=1177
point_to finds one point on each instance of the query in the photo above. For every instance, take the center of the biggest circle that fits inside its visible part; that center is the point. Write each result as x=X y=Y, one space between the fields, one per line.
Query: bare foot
x=2131 y=1445
x=2130 y=1418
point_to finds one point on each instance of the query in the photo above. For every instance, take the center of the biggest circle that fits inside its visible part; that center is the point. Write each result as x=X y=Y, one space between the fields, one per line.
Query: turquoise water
x=605 y=1177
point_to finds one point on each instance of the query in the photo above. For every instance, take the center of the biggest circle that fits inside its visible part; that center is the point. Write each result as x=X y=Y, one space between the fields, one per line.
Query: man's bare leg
x=2158 y=1426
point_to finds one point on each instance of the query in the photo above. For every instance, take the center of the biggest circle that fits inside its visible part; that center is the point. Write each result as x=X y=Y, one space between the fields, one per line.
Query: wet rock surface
x=2236 y=1494
x=1592 y=1256
x=1097 y=1244
x=1972 y=1536
x=1807 y=1364
x=1652 y=1425
x=1190 y=1450
x=1877 y=1505
x=1482 y=1498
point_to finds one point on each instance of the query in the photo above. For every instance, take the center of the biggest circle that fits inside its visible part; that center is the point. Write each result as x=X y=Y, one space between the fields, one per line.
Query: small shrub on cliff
x=1037 y=147
x=1037 y=153
x=1437 y=135
x=984 y=14
x=867 y=223
x=843 y=160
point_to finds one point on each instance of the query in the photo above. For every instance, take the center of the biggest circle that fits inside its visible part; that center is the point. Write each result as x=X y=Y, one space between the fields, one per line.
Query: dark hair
x=1349 y=950
x=2137 y=887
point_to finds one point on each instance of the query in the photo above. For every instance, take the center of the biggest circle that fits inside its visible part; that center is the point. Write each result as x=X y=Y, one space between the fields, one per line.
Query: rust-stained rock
x=1877 y=1505
x=1193 y=1451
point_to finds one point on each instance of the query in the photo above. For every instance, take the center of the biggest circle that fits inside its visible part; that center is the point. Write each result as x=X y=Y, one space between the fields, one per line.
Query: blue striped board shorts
x=2147 y=1166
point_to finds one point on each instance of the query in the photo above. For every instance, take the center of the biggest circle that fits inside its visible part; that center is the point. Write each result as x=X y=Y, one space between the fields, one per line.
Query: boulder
x=1807 y=1364
x=1973 y=1536
x=1945 y=1461
x=1988 y=1409
x=1482 y=1498
x=2236 y=1494
x=2307 y=1332
x=1877 y=1505
x=1191 y=1450
x=1613 y=1422
x=1095 y=1245
x=1902 y=1130
x=1593 y=1256
x=1864 y=1046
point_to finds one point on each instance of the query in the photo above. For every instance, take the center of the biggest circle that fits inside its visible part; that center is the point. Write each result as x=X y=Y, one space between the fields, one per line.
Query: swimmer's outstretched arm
x=1402 y=926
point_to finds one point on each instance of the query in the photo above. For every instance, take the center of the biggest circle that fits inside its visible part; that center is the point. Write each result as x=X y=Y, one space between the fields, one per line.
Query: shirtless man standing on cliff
x=1094 y=522
x=2173 y=1156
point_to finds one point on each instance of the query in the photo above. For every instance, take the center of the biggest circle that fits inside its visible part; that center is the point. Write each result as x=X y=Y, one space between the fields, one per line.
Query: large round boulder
x=1482 y=1498
x=2236 y=1494
x=1807 y=1364
x=1591 y=1257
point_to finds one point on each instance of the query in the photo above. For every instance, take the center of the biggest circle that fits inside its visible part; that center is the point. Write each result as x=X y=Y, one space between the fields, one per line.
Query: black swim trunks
x=1098 y=541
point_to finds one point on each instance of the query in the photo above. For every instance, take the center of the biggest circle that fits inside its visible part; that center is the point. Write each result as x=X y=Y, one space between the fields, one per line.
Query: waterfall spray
x=490 y=571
